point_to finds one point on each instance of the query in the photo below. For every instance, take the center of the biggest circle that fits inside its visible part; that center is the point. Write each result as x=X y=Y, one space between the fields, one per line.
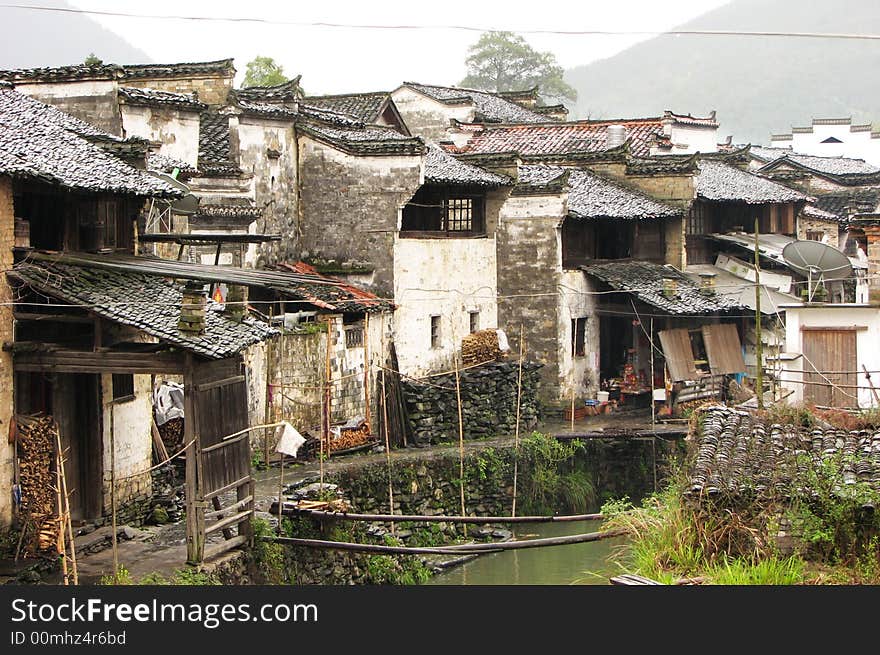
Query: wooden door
x=830 y=361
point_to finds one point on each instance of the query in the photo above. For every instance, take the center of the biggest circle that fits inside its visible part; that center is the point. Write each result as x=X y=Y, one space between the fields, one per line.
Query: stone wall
x=176 y=130
x=828 y=228
x=211 y=90
x=350 y=207
x=488 y=402
x=426 y=117
x=7 y=239
x=93 y=101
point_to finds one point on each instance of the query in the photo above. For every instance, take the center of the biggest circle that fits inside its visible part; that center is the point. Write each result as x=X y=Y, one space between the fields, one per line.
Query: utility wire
x=467 y=28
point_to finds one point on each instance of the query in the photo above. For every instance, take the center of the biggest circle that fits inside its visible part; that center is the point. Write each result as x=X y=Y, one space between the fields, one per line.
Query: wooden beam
x=73 y=361
x=220 y=383
x=224 y=546
x=228 y=487
x=223 y=444
x=60 y=318
x=833 y=328
x=229 y=520
x=238 y=506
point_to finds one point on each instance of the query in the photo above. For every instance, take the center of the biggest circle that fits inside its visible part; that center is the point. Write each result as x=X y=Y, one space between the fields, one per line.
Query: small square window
x=815 y=235
x=354 y=337
x=123 y=386
x=474 y=321
x=435 y=331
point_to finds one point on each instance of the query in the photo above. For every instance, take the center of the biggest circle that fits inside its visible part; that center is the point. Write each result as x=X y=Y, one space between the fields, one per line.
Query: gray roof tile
x=489 y=107
x=362 y=106
x=720 y=181
x=155 y=98
x=443 y=168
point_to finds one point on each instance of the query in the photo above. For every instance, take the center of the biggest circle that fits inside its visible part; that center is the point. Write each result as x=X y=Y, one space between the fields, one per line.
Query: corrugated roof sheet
x=147 y=302
x=644 y=280
x=740 y=454
x=330 y=293
x=719 y=181
x=41 y=142
x=443 y=168
x=488 y=107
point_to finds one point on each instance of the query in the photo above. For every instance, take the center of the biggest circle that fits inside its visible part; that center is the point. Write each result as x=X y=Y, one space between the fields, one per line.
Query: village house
x=832 y=137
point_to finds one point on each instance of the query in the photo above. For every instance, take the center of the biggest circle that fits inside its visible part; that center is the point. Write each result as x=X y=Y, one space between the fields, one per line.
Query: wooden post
x=460 y=436
x=387 y=447
x=368 y=368
x=59 y=539
x=325 y=405
x=651 y=356
x=572 y=403
x=280 y=493
x=268 y=390
x=870 y=384
x=114 y=538
x=195 y=501
x=516 y=433
x=759 y=346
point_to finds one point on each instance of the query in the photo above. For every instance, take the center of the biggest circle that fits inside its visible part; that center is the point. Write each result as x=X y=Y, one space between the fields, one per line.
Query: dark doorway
x=615 y=340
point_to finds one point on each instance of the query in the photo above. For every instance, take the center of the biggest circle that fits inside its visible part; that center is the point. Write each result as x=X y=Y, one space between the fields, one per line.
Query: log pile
x=479 y=347
x=172 y=434
x=351 y=438
x=36 y=466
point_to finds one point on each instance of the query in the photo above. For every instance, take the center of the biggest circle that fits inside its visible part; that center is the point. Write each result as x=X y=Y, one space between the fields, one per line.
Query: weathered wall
x=133 y=446
x=7 y=239
x=93 y=101
x=211 y=90
x=488 y=402
x=441 y=277
x=828 y=228
x=268 y=152
x=176 y=130
x=696 y=139
x=350 y=207
x=677 y=190
x=426 y=117
x=844 y=316
x=529 y=268
x=578 y=374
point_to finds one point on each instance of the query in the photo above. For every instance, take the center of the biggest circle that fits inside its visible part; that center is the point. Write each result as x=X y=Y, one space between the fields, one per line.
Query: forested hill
x=758 y=85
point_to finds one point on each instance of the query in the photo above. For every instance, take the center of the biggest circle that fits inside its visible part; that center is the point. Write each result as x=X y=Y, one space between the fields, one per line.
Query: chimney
x=669 y=287
x=192 y=308
x=707 y=284
x=236 y=302
x=615 y=135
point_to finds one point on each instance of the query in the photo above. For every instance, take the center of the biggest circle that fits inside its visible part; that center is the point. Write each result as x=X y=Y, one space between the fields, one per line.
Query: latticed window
x=354 y=337
x=459 y=214
x=436 y=211
x=435 y=331
x=815 y=235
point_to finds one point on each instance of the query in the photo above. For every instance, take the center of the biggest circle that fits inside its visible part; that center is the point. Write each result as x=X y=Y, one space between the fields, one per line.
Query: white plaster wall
x=580 y=374
x=427 y=117
x=177 y=131
x=133 y=441
x=867 y=352
x=255 y=372
x=697 y=139
x=66 y=89
x=447 y=277
x=858 y=145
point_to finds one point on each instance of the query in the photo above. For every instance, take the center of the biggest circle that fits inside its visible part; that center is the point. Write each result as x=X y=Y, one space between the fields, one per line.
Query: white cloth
x=503 y=346
x=168 y=402
x=289 y=441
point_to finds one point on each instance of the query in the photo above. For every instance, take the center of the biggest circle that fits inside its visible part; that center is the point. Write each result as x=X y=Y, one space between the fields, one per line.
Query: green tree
x=92 y=60
x=263 y=71
x=503 y=61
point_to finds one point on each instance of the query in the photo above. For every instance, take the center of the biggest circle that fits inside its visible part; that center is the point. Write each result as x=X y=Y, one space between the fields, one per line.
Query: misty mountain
x=759 y=85
x=32 y=39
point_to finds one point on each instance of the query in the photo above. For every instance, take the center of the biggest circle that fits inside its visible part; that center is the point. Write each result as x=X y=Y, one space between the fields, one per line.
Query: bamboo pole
x=268 y=390
x=325 y=405
x=113 y=498
x=59 y=539
x=66 y=496
x=871 y=384
x=460 y=435
x=280 y=493
x=387 y=447
x=516 y=432
x=414 y=518
x=368 y=369
x=759 y=346
x=572 y=403
x=651 y=356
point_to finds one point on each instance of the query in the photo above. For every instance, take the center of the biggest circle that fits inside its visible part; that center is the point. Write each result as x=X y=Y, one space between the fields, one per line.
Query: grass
x=769 y=571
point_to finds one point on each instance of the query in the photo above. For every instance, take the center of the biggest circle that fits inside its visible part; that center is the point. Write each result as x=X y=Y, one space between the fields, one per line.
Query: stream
x=586 y=563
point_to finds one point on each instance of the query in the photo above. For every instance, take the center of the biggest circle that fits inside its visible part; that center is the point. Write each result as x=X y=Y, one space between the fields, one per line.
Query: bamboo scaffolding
x=67 y=522
x=114 y=537
x=60 y=533
x=518 y=401
x=460 y=439
x=387 y=438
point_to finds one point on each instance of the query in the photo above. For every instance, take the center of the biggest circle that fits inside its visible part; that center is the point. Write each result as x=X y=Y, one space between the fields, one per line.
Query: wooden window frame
x=461 y=213
x=436 y=334
x=579 y=336
x=474 y=320
x=122 y=387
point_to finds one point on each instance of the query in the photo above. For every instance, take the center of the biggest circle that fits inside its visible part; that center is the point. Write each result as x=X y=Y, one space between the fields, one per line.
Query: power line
x=466 y=28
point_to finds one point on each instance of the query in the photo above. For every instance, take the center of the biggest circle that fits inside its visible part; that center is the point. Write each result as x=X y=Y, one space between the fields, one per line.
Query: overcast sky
x=337 y=60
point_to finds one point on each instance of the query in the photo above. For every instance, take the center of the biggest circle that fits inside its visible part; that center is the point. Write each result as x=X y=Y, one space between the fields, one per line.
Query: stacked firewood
x=36 y=467
x=351 y=438
x=172 y=434
x=479 y=347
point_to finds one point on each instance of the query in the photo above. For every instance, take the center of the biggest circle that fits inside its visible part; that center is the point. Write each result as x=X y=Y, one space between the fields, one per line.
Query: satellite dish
x=819 y=263
x=186 y=205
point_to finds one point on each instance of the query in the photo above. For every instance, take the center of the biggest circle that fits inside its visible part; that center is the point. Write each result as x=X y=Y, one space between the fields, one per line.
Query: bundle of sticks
x=172 y=434
x=350 y=438
x=481 y=346
x=36 y=470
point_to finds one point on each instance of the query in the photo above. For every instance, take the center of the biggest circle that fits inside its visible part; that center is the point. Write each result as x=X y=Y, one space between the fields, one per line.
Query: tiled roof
x=229 y=211
x=764 y=154
x=111 y=71
x=844 y=203
x=443 y=168
x=214 y=152
x=165 y=164
x=740 y=454
x=329 y=292
x=329 y=116
x=538 y=176
x=593 y=196
x=135 y=71
x=812 y=211
x=41 y=142
x=265 y=109
x=364 y=107
x=289 y=91
x=692 y=121
x=720 y=181
x=372 y=140
x=154 y=98
x=489 y=107
x=841 y=169
x=644 y=280
x=561 y=138
x=147 y=302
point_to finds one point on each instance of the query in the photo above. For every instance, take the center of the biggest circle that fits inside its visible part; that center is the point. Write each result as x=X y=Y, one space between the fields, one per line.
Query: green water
x=586 y=563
